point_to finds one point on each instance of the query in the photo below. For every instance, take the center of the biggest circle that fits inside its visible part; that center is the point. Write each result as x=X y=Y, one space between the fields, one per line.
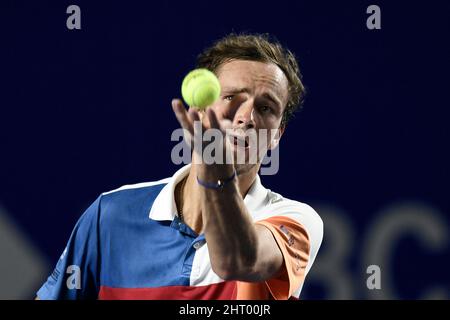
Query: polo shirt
x=130 y=244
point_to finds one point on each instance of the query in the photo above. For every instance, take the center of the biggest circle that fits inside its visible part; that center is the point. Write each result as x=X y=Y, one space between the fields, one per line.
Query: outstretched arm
x=238 y=249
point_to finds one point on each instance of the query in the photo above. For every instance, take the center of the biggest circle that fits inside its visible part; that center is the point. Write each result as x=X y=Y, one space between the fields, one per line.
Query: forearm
x=228 y=227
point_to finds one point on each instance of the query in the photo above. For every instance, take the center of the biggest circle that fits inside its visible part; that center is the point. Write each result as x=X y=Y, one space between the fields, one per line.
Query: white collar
x=164 y=206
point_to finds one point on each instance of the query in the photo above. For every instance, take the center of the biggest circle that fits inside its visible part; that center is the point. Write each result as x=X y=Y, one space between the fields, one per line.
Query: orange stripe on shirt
x=293 y=241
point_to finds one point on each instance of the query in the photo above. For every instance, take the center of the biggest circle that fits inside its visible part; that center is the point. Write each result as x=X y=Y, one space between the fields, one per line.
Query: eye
x=229 y=98
x=265 y=109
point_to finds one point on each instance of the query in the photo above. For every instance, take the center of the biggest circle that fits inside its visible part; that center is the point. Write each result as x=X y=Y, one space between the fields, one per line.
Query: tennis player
x=212 y=230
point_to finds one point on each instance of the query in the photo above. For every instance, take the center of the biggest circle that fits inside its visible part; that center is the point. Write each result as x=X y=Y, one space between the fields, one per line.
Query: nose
x=244 y=115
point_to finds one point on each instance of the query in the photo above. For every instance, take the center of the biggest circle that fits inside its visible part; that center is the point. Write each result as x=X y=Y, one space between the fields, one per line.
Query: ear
x=276 y=140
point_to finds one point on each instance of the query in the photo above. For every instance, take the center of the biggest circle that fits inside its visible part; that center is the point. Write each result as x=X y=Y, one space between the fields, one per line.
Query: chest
x=154 y=254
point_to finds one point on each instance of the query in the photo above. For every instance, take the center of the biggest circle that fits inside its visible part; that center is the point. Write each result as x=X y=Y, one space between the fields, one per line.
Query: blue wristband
x=220 y=184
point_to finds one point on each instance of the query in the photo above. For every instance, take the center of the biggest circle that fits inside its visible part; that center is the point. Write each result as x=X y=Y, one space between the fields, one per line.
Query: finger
x=226 y=124
x=196 y=121
x=193 y=115
x=182 y=115
x=213 y=121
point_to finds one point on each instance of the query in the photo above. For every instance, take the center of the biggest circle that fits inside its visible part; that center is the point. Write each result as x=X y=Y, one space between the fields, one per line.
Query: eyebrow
x=236 y=90
x=266 y=95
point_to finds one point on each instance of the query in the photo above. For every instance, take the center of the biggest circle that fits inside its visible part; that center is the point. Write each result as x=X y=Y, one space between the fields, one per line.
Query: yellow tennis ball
x=200 y=88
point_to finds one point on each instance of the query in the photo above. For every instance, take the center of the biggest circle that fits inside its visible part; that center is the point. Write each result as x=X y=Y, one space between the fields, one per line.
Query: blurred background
x=86 y=111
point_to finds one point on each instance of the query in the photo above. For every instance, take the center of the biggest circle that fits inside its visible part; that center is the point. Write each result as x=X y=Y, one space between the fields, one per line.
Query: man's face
x=254 y=96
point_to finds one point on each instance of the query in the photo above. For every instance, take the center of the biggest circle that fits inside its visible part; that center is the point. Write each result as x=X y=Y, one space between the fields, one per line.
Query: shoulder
x=137 y=187
x=277 y=205
x=132 y=198
x=132 y=192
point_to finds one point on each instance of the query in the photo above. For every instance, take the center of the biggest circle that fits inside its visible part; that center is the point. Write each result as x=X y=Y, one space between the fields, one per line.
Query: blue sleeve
x=76 y=275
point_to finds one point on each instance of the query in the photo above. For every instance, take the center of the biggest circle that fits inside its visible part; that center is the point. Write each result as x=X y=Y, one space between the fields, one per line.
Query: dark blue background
x=86 y=111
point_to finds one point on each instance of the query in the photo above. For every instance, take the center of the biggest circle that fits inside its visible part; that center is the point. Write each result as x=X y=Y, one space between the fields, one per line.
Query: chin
x=245 y=165
x=244 y=168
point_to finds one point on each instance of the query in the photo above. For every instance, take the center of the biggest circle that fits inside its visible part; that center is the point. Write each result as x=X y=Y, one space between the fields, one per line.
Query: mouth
x=240 y=141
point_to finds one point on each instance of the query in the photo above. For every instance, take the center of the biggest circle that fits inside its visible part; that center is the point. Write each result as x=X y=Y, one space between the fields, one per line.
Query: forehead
x=254 y=75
